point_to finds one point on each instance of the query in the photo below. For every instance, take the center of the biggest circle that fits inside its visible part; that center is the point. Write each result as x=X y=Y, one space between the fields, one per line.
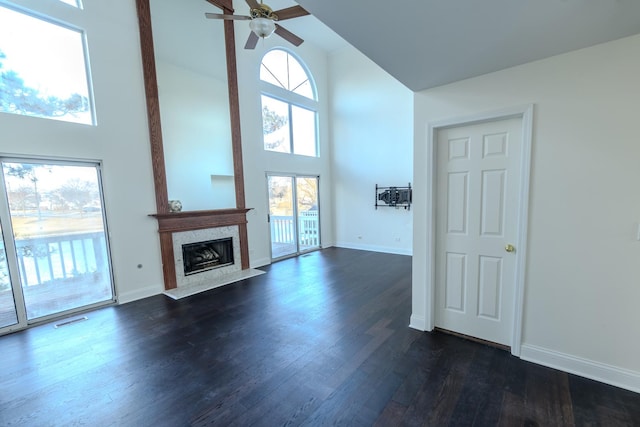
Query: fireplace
x=212 y=253
x=202 y=256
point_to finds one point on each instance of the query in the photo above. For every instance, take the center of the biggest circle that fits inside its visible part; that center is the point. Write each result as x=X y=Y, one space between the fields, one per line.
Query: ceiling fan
x=263 y=23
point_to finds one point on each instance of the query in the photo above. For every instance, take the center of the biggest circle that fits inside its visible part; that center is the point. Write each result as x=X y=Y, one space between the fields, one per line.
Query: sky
x=51 y=177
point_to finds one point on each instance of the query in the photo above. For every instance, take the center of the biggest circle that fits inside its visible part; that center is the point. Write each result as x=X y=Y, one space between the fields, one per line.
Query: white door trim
x=526 y=113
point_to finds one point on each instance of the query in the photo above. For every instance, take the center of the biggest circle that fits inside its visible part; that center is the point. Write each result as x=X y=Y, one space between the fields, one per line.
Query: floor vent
x=70 y=321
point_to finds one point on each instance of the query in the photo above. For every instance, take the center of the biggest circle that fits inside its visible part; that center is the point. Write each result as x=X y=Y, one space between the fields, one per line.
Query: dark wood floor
x=319 y=340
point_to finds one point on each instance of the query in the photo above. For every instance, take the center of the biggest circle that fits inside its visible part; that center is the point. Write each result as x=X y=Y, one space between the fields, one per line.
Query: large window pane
x=274 y=68
x=281 y=215
x=275 y=125
x=281 y=69
x=308 y=218
x=59 y=235
x=43 y=71
x=299 y=80
x=303 y=124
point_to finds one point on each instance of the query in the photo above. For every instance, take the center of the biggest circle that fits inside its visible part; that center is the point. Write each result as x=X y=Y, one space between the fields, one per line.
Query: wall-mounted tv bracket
x=396 y=197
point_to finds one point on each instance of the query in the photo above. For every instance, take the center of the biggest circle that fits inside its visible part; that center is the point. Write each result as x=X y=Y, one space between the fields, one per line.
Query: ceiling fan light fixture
x=263 y=27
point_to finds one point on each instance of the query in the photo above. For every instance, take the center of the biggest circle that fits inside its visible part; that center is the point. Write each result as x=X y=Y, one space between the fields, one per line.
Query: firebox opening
x=202 y=256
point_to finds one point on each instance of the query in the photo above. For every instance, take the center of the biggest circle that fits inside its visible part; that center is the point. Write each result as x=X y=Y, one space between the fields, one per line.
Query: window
x=43 y=68
x=281 y=69
x=289 y=105
x=59 y=240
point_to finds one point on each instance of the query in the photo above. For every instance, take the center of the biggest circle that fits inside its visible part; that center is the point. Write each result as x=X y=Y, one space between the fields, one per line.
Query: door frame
x=12 y=255
x=525 y=113
x=294 y=196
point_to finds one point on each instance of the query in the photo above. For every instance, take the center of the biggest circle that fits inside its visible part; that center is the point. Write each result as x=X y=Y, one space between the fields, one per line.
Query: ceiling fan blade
x=252 y=41
x=290 y=12
x=288 y=35
x=221 y=16
x=253 y=4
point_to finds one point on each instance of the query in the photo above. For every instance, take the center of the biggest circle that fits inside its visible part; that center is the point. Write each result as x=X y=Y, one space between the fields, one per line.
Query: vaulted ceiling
x=428 y=43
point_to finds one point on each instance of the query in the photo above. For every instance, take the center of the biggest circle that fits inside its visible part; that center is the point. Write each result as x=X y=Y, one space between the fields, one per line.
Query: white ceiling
x=427 y=43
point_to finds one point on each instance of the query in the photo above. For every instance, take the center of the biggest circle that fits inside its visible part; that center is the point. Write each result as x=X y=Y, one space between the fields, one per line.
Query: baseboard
x=137 y=294
x=418 y=322
x=602 y=372
x=374 y=248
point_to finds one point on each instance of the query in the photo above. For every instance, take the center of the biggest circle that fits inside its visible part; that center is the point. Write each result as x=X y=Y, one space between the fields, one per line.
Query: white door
x=476 y=226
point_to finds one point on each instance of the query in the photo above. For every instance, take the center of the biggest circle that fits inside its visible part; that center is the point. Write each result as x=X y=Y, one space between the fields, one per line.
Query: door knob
x=510 y=248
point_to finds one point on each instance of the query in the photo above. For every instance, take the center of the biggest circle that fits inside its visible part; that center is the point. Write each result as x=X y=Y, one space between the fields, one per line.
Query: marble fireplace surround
x=192 y=284
x=202 y=235
x=176 y=228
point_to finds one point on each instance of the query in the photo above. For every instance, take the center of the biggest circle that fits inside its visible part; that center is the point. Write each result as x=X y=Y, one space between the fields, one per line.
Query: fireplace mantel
x=175 y=222
x=195 y=220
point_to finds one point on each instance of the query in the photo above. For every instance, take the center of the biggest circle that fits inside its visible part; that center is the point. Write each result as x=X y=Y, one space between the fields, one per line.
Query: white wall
x=257 y=161
x=196 y=136
x=372 y=134
x=194 y=104
x=120 y=140
x=583 y=262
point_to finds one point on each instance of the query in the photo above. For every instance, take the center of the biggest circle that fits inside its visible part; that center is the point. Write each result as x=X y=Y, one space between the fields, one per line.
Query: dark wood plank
x=319 y=340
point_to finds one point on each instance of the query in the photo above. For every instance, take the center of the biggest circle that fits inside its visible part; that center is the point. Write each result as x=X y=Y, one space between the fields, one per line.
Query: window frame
x=69 y=17
x=10 y=238
x=292 y=99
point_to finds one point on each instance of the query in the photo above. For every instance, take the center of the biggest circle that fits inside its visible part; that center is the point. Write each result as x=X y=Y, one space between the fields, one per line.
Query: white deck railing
x=52 y=258
x=282 y=229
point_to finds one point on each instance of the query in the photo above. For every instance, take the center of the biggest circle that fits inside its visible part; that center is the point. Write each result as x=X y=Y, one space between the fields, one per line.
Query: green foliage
x=21 y=170
x=272 y=121
x=16 y=97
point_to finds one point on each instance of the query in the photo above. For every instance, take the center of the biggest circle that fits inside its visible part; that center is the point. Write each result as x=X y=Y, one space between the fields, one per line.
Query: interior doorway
x=478 y=170
x=54 y=257
x=424 y=267
x=294 y=214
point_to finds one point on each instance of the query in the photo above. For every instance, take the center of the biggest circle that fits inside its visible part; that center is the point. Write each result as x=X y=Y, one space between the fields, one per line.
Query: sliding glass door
x=8 y=313
x=294 y=219
x=54 y=259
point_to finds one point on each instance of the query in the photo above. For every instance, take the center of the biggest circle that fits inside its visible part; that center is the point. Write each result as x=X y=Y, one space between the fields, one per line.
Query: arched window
x=289 y=105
